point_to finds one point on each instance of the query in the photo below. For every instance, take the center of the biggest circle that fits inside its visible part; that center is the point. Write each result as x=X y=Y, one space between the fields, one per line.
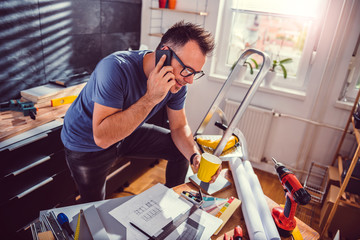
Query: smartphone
x=159 y=53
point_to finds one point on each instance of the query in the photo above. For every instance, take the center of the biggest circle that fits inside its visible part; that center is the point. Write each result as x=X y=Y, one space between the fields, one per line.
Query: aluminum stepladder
x=244 y=103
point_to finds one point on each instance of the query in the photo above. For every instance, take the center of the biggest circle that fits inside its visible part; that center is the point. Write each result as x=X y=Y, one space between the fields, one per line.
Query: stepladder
x=229 y=127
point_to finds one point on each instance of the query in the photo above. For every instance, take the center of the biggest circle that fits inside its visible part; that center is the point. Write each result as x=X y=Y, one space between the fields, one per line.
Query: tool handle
x=290 y=206
x=64 y=223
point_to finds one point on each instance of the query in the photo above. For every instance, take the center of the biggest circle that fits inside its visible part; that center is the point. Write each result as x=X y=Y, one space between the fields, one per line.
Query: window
x=283 y=29
x=352 y=78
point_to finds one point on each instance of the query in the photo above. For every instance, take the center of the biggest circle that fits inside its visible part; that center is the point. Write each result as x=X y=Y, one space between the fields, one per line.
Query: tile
x=119 y=41
x=10 y=89
x=119 y=17
x=19 y=19
x=74 y=17
x=21 y=59
x=125 y=1
x=71 y=53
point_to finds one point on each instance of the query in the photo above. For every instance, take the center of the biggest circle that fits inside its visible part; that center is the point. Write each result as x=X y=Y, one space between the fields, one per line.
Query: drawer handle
x=21 y=170
x=28 y=141
x=33 y=188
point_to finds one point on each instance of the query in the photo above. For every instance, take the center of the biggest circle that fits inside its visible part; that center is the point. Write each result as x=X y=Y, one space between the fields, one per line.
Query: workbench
x=111 y=225
x=238 y=219
x=34 y=174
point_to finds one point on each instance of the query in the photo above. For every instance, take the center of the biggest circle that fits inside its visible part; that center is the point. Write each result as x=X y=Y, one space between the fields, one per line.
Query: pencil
x=150 y=237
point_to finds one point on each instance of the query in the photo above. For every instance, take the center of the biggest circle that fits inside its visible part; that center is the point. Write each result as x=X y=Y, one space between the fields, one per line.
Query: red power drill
x=295 y=194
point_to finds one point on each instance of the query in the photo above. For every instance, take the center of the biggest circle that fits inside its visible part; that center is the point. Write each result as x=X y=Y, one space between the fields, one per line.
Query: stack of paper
x=159 y=206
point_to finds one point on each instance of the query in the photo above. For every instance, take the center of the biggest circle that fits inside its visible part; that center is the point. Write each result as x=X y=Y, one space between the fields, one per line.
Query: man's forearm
x=122 y=123
x=184 y=141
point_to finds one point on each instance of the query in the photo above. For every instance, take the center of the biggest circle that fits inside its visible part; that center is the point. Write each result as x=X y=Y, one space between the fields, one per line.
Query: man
x=108 y=118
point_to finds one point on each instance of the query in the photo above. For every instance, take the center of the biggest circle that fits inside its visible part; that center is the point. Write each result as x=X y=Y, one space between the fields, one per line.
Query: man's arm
x=111 y=125
x=183 y=138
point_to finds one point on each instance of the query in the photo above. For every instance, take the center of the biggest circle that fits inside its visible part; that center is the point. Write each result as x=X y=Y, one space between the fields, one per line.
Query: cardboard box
x=346 y=218
x=334 y=176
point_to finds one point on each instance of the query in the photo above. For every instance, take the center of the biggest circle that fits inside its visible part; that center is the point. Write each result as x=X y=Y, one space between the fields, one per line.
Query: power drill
x=295 y=194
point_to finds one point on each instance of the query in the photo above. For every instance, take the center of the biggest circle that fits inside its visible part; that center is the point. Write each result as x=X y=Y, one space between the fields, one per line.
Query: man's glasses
x=187 y=71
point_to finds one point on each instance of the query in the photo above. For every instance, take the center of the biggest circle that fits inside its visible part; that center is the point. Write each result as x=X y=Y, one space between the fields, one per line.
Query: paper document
x=158 y=206
x=151 y=210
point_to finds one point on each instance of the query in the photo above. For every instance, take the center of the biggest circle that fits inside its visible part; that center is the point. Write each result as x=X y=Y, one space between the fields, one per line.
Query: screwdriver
x=64 y=223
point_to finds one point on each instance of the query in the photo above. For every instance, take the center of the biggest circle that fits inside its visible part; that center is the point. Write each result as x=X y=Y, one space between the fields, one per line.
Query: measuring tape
x=77 y=231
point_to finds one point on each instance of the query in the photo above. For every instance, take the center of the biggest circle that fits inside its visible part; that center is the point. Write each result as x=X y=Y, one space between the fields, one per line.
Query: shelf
x=350 y=199
x=156 y=34
x=356 y=131
x=340 y=167
x=180 y=11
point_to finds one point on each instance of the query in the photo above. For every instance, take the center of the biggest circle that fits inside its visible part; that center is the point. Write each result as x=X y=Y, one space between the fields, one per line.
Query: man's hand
x=196 y=164
x=161 y=79
x=213 y=178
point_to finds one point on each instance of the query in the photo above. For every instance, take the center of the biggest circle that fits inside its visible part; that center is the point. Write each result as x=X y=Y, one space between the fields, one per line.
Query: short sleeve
x=109 y=87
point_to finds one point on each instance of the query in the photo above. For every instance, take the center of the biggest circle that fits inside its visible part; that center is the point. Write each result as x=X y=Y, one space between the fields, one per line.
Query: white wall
x=293 y=142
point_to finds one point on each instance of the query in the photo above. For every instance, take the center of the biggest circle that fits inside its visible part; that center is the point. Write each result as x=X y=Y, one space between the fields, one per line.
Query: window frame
x=220 y=69
x=352 y=77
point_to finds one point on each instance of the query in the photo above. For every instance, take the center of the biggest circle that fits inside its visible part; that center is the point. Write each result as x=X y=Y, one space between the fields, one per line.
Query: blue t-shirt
x=118 y=81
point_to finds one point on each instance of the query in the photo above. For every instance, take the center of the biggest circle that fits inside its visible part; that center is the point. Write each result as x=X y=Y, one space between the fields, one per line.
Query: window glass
x=352 y=78
x=281 y=28
x=280 y=37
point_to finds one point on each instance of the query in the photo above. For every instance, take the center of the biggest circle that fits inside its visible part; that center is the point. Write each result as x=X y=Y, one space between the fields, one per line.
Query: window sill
x=344 y=105
x=276 y=90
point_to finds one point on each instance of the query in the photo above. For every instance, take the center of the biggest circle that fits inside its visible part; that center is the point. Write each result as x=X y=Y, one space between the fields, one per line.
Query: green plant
x=249 y=64
x=281 y=64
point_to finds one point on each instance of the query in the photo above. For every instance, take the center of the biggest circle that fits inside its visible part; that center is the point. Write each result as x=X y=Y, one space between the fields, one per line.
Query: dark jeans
x=89 y=169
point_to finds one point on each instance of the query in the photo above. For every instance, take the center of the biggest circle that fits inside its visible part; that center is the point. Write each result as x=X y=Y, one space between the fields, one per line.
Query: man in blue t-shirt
x=107 y=120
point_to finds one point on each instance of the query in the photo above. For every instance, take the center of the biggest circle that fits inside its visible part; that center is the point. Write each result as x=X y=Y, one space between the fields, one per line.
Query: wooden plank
x=44 y=115
x=49 y=91
x=340 y=167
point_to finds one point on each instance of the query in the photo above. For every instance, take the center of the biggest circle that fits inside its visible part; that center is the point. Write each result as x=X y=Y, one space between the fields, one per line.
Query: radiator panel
x=255 y=124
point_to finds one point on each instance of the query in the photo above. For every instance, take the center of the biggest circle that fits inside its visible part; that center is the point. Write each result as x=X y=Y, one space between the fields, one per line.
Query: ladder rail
x=244 y=104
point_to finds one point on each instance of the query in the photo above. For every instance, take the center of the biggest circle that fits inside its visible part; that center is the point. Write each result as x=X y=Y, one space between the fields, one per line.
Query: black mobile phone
x=158 y=55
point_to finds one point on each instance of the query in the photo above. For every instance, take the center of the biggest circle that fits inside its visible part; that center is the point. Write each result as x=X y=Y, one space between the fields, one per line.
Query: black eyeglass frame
x=188 y=70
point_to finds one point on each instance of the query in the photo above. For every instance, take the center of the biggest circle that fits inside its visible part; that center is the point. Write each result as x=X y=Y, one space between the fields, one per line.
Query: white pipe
x=262 y=206
x=250 y=185
x=249 y=209
x=308 y=121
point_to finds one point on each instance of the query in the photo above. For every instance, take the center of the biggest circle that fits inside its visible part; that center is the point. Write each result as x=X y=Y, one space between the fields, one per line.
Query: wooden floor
x=269 y=183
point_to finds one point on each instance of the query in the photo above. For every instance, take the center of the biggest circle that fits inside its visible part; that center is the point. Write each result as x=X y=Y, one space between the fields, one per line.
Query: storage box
x=346 y=218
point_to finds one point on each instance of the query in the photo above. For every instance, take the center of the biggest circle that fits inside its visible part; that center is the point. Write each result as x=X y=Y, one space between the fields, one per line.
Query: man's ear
x=164 y=48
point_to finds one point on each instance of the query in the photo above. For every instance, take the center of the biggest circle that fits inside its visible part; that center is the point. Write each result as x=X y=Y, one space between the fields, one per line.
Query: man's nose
x=189 y=79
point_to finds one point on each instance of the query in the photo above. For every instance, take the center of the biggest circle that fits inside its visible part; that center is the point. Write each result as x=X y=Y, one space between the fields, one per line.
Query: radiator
x=255 y=124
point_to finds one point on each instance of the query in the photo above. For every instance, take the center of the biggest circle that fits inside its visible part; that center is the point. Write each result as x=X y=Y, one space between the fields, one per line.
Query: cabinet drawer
x=18 y=180
x=28 y=149
x=21 y=210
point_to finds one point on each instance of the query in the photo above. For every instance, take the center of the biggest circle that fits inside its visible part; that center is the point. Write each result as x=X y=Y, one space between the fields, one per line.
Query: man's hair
x=181 y=33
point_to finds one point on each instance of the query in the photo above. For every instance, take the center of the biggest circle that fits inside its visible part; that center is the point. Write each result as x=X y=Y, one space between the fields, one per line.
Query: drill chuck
x=302 y=197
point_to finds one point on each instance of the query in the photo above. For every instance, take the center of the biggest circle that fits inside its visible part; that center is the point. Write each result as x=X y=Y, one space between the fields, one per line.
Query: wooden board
x=13 y=123
x=49 y=91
